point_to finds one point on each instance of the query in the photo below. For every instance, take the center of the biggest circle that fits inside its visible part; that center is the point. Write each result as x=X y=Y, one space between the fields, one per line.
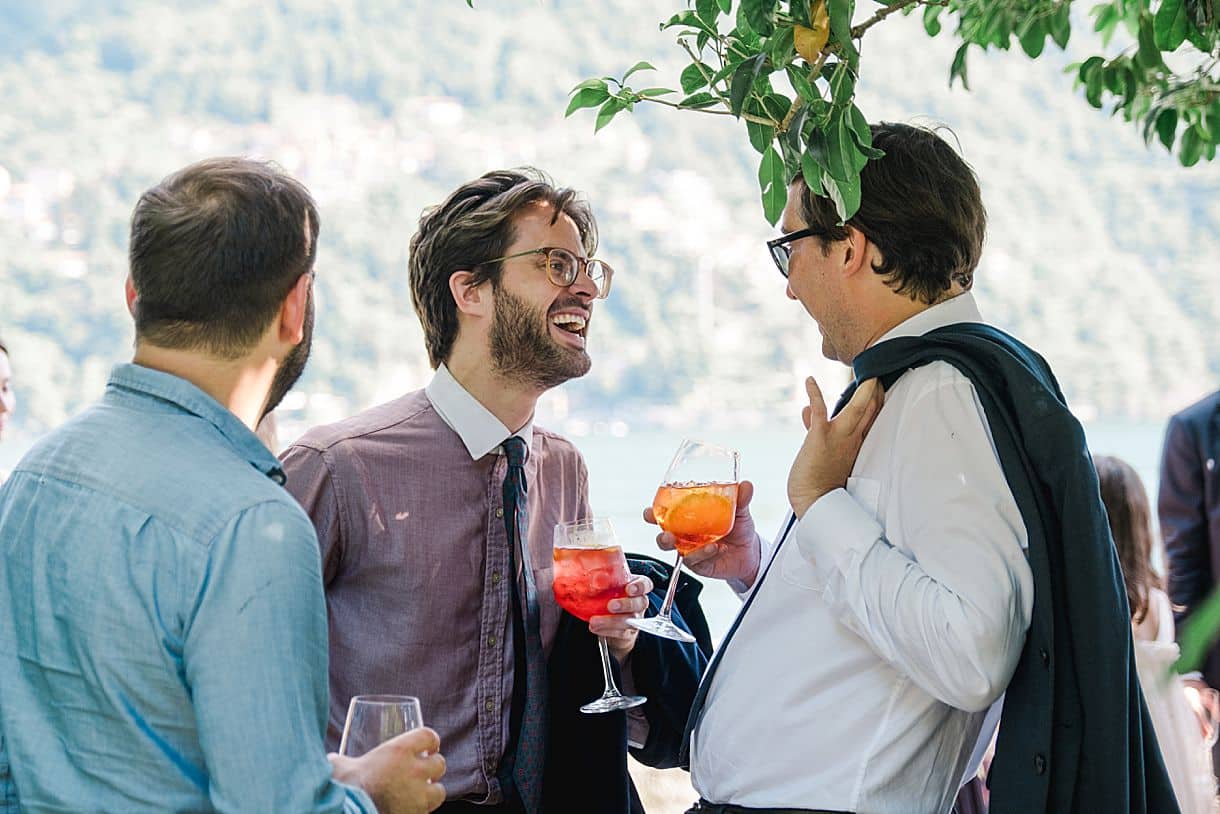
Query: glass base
x=610 y=703
x=661 y=626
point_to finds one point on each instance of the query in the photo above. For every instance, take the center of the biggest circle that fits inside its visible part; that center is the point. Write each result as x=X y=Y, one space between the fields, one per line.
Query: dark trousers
x=704 y=807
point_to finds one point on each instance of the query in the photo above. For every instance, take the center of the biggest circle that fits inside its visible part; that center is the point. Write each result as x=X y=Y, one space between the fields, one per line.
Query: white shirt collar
x=478 y=428
x=961 y=308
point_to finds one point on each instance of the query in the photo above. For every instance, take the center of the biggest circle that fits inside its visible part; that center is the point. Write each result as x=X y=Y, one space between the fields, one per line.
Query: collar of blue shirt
x=144 y=382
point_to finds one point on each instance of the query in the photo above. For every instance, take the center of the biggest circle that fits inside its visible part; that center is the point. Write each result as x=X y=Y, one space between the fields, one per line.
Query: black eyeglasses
x=563 y=267
x=781 y=251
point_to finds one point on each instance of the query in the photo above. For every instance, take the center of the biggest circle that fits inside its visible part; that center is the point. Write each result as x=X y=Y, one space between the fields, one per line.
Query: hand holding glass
x=374 y=719
x=696 y=503
x=590 y=570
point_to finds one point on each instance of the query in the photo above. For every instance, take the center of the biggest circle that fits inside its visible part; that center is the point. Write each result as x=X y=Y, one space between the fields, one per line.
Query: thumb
x=745 y=493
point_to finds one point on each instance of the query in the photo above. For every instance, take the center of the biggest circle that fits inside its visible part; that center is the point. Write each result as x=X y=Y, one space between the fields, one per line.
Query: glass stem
x=673 y=589
x=611 y=688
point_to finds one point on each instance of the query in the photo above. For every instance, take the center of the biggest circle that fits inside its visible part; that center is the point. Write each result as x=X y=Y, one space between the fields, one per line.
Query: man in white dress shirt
x=887 y=619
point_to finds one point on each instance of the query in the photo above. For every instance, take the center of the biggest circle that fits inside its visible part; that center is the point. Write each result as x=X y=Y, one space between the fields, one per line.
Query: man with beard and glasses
x=420 y=511
x=162 y=622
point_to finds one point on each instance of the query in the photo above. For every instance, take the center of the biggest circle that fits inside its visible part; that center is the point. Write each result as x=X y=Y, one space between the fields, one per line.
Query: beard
x=522 y=349
x=294 y=363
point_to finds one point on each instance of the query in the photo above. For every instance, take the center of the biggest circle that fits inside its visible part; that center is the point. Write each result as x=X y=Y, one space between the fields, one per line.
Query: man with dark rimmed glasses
x=897 y=607
x=435 y=514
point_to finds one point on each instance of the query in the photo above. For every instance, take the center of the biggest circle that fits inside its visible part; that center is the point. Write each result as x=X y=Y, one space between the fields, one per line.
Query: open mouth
x=572 y=327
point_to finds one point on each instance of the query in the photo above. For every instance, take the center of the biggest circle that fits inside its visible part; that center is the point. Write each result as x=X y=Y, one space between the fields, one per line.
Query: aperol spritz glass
x=590 y=570
x=696 y=503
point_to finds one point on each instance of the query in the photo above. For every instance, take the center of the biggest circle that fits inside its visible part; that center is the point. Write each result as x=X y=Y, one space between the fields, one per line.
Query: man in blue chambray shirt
x=163 y=637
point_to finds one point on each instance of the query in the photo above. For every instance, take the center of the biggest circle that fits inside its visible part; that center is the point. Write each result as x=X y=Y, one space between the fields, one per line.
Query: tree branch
x=728 y=111
x=858 y=31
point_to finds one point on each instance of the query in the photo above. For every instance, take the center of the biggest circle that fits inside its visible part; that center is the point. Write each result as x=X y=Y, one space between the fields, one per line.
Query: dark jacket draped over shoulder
x=1075 y=735
x=586 y=767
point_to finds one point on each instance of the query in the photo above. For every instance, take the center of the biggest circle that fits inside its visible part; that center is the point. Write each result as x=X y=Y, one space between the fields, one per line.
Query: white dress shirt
x=892 y=619
x=477 y=426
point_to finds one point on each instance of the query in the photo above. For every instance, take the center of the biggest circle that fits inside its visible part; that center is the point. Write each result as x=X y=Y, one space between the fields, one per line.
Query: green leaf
x=958 y=69
x=708 y=11
x=780 y=46
x=743 y=81
x=773 y=184
x=694 y=76
x=931 y=19
x=698 y=101
x=841 y=148
x=840 y=28
x=792 y=136
x=1170 y=25
x=1167 y=126
x=842 y=85
x=1148 y=56
x=1191 y=149
x=818 y=149
x=608 y=111
x=1033 y=40
x=863 y=134
x=1093 y=79
x=639 y=66
x=761 y=135
x=590 y=83
x=845 y=194
x=587 y=97
x=649 y=93
x=797 y=75
x=812 y=172
x=760 y=14
x=687 y=18
x=776 y=106
x=1199 y=631
x=725 y=5
x=1061 y=24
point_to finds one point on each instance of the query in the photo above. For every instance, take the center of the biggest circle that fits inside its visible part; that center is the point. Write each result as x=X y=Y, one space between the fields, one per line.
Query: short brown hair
x=1130 y=515
x=475 y=224
x=920 y=205
x=215 y=248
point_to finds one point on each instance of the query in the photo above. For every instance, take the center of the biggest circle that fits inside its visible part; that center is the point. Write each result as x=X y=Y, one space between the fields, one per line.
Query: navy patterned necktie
x=696 y=707
x=528 y=719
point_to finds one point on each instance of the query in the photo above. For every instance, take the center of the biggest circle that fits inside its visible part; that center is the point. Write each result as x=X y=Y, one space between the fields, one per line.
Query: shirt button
x=1039 y=763
x=1045 y=656
x=499 y=512
x=495 y=577
x=491 y=641
x=490 y=705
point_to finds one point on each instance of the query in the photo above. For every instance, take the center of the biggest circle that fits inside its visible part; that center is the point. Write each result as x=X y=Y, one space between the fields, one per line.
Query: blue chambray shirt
x=163 y=638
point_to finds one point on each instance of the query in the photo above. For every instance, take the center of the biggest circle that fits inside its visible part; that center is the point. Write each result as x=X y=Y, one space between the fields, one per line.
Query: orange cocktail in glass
x=696 y=503
x=586 y=579
x=695 y=513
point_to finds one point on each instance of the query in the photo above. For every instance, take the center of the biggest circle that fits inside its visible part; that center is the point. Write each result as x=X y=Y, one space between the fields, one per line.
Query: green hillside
x=1102 y=253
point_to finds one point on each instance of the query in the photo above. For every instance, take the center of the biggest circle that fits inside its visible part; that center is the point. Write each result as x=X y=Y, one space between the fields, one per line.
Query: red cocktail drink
x=586 y=579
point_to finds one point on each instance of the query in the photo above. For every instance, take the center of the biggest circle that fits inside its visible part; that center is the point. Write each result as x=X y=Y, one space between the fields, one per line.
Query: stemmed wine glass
x=696 y=503
x=590 y=570
x=374 y=719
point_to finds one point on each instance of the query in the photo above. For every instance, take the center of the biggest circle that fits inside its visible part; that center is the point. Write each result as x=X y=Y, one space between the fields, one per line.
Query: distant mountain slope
x=1101 y=253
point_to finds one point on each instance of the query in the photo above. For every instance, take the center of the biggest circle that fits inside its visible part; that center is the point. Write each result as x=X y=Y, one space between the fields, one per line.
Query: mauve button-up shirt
x=415 y=557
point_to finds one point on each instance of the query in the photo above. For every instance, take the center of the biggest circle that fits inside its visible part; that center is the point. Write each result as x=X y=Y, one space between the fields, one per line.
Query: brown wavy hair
x=1130 y=515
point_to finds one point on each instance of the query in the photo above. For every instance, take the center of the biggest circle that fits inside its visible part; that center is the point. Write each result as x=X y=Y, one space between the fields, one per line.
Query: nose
x=583 y=286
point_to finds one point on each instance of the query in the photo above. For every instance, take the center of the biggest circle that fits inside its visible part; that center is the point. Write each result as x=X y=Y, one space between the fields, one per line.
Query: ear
x=293 y=310
x=857 y=252
x=471 y=298
x=129 y=291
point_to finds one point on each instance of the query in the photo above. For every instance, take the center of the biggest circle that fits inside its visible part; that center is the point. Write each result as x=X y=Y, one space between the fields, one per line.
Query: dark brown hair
x=215 y=249
x=920 y=205
x=475 y=224
x=1130 y=516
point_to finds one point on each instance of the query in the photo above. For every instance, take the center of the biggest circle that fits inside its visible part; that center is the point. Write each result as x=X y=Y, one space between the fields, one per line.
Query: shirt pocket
x=797 y=569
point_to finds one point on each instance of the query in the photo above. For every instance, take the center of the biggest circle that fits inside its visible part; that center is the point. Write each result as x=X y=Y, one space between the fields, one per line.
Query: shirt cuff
x=835 y=531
